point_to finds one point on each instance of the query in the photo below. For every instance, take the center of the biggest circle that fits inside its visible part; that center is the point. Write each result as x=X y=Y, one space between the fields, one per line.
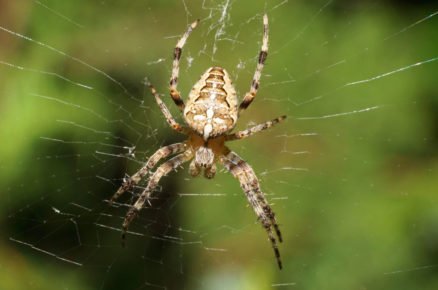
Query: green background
x=352 y=173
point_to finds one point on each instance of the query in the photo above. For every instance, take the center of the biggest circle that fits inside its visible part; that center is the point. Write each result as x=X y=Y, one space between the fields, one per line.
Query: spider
x=211 y=114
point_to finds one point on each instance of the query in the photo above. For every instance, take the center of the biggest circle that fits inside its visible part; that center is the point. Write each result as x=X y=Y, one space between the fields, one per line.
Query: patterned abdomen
x=211 y=109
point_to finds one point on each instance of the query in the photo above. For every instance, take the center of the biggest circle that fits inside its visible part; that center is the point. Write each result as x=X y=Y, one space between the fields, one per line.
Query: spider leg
x=169 y=118
x=152 y=161
x=245 y=167
x=174 y=93
x=250 y=185
x=257 y=128
x=161 y=171
x=249 y=96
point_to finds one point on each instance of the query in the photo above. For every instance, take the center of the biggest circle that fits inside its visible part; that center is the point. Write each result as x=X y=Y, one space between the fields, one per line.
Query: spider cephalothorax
x=211 y=114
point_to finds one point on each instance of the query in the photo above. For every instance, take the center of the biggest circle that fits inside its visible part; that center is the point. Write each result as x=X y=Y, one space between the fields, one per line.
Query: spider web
x=350 y=174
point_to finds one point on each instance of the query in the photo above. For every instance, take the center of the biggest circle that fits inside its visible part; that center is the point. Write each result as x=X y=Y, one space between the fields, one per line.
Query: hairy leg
x=250 y=185
x=169 y=118
x=174 y=93
x=257 y=128
x=152 y=161
x=161 y=171
x=249 y=96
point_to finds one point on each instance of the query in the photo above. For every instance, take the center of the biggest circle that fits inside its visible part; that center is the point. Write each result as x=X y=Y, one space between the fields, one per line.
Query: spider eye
x=204 y=157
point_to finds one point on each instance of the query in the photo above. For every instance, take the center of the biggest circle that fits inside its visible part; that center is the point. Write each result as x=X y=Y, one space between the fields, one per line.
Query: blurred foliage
x=363 y=215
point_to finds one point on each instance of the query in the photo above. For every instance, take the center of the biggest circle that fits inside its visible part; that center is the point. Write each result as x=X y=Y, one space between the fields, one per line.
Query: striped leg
x=249 y=96
x=174 y=93
x=169 y=118
x=250 y=185
x=245 y=167
x=152 y=161
x=161 y=171
x=257 y=128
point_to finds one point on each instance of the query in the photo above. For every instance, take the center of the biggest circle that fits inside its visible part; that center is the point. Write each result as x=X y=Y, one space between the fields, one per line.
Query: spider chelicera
x=211 y=114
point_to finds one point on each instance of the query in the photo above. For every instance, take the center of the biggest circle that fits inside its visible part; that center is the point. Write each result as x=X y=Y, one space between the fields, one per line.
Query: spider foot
x=132 y=213
x=268 y=227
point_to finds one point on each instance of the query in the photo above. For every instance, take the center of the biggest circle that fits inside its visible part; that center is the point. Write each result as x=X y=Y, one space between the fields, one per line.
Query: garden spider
x=211 y=113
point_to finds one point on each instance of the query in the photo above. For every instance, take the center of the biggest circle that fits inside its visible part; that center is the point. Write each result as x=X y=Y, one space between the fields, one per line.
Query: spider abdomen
x=211 y=109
